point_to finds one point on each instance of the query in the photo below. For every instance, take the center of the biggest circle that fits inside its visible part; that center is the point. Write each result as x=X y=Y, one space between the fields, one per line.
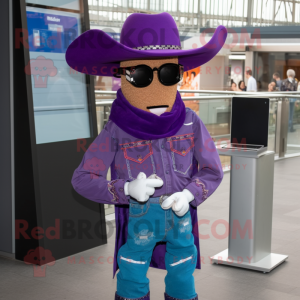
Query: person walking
x=251 y=85
x=278 y=81
x=290 y=85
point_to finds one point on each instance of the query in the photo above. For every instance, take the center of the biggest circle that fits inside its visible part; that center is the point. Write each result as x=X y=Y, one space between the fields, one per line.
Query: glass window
x=267 y=63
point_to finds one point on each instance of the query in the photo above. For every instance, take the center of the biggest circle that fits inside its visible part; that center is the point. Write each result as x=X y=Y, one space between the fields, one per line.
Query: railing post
x=282 y=126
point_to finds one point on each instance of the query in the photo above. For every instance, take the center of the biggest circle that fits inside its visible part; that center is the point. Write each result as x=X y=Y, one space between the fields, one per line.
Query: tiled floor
x=86 y=280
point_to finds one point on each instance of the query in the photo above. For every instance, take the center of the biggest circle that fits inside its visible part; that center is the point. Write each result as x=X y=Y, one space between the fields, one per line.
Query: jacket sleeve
x=210 y=172
x=89 y=179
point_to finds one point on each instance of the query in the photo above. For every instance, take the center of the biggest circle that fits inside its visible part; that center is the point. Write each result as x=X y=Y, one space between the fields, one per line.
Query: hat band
x=160 y=47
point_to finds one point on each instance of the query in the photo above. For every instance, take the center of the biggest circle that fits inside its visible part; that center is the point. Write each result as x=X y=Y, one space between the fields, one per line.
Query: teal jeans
x=149 y=224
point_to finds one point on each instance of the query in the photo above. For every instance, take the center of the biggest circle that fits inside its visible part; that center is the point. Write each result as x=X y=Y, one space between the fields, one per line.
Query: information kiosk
x=55 y=121
x=251 y=188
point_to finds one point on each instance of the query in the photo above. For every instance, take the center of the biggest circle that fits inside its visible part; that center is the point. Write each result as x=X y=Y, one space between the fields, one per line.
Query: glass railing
x=214 y=109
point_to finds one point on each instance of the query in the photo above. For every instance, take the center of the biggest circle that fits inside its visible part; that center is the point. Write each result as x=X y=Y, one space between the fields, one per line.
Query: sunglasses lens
x=169 y=74
x=142 y=76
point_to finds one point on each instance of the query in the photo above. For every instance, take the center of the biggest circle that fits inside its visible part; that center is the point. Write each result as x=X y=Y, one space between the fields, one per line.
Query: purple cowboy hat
x=143 y=36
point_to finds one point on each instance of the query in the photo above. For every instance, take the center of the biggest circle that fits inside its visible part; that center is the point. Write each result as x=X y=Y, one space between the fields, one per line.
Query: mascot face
x=156 y=97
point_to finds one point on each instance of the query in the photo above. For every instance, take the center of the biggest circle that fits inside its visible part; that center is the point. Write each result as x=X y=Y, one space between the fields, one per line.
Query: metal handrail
x=229 y=93
x=236 y=93
x=229 y=97
x=106 y=92
x=108 y=103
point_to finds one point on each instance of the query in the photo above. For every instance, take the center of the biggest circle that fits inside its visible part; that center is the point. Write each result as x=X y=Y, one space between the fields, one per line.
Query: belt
x=158 y=200
x=162 y=198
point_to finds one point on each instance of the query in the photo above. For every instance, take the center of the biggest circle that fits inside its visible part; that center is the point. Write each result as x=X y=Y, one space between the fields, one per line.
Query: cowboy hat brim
x=94 y=52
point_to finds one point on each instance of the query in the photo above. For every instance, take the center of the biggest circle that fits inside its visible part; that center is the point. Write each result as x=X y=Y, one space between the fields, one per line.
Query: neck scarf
x=145 y=125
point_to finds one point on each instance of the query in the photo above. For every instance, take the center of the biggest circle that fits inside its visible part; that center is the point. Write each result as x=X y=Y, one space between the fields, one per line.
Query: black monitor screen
x=249 y=121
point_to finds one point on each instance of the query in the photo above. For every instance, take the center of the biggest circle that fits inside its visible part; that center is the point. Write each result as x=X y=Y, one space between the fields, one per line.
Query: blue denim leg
x=145 y=228
x=149 y=224
x=181 y=259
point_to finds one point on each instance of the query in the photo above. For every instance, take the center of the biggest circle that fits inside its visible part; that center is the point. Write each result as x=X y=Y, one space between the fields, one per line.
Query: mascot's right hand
x=142 y=187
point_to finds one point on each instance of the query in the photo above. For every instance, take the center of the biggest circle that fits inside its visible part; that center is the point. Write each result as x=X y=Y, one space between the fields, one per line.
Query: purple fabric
x=146 y=297
x=145 y=125
x=167 y=297
x=95 y=52
x=188 y=159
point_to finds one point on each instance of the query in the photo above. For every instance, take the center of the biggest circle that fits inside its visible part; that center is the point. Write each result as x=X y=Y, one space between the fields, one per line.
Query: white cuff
x=126 y=188
x=189 y=196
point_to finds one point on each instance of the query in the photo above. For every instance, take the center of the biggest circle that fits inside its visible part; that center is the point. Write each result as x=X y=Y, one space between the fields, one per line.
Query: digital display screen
x=50 y=32
x=250 y=121
x=66 y=4
x=59 y=92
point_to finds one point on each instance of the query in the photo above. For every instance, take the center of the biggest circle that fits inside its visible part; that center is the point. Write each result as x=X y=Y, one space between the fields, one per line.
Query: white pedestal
x=250 y=214
x=266 y=264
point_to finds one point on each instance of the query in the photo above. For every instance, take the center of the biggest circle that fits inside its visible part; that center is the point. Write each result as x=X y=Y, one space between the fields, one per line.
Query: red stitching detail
x=204 y=191
x=132 y=159
x=187 y=151
x=113 y=191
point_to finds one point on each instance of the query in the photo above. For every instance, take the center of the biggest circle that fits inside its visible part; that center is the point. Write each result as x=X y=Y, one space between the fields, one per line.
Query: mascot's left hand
x=180 y=202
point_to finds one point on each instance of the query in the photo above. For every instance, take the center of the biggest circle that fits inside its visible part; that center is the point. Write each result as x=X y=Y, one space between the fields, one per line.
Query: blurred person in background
x=259 y=85
x=188 y=83
x=242 y=86
x=233 y=86
x=290 y=85
x=251 y=85
x=278 y=81
x=272 y=86
x=194 y=81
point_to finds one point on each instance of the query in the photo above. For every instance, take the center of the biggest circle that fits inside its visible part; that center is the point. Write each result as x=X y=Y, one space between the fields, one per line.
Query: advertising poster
x=191 y=81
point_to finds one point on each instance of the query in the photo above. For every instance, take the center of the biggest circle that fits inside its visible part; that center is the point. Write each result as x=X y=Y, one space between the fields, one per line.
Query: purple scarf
x=145 y=125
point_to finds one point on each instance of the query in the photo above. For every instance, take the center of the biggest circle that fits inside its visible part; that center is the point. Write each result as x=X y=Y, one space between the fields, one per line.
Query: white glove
x=142 y=187
x=180 y=202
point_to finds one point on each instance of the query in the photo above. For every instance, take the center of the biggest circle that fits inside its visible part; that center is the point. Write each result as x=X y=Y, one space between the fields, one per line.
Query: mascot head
x=149 y=58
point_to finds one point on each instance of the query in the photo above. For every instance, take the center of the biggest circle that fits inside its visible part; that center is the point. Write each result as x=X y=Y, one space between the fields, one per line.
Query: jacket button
x=167 y=172
x=162 y=146
x=121 y=189
x=197 y=194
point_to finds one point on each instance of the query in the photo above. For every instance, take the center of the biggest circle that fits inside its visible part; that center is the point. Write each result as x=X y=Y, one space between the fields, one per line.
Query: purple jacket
x=186 y=160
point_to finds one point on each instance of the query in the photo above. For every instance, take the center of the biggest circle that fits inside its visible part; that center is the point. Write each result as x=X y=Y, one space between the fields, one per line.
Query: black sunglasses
x=142 y=75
